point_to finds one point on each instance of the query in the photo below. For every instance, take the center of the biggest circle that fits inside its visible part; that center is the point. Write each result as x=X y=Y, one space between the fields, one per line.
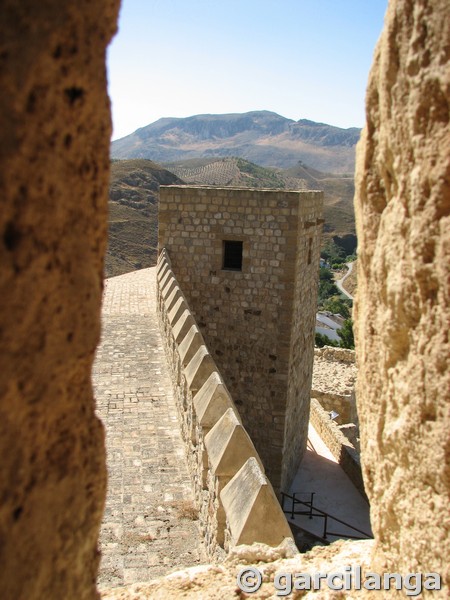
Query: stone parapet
x=338 y=444
x=343 y=355
x=235 y=500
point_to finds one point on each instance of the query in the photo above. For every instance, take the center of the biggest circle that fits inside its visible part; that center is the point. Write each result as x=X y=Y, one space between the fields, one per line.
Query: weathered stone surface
x=403 y=308
x=219 y=581
x=333 y=382
x=253 y=513
x=150 y=525
x=54 y=165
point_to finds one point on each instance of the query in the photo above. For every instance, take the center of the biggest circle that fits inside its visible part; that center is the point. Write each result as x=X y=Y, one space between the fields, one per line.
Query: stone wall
x=236 y=502
x=333 y=382
x=258 y=321
x=54 y=165
x=402 y=311
x=303 y=323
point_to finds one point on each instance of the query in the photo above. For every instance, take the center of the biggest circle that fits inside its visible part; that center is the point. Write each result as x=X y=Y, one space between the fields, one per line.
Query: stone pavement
x=149 y=526
x=335 y=494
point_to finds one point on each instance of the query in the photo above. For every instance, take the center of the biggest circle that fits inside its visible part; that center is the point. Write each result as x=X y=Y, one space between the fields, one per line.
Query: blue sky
x=302 y=59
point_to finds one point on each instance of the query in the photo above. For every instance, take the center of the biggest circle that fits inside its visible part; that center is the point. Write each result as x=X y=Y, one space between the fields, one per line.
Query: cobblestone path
x=149 y=525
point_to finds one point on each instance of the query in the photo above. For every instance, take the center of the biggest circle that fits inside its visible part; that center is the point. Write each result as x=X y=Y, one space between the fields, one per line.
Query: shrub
x=346 y=335
x=338 y=306
x=322 y=340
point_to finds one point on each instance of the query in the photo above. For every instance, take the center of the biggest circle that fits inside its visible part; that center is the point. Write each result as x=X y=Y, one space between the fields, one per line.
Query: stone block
x=199 y=369
x=175 y=313
x=211 y=401
x=229 y=446
x=189 y=345
x=162 y=268
x=173 y=297
x=252 y=509
x=183 y=325
x=167 y=284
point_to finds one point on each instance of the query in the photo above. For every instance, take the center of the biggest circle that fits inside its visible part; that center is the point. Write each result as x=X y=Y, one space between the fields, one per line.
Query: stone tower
x=247 y=261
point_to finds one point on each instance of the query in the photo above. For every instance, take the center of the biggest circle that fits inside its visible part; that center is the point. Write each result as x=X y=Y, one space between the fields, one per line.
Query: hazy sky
x=304 y=59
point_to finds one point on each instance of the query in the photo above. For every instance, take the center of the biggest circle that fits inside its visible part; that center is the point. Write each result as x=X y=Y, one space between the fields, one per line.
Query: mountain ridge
x=263 y=137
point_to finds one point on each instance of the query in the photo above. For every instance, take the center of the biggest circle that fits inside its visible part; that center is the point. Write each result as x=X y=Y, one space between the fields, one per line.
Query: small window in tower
x=232 y=255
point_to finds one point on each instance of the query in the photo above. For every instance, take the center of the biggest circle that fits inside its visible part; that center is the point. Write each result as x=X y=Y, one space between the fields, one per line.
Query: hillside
x=350 y=282
x=233 y=171
x=133 y=214
x=338 y=203
x=262 y=137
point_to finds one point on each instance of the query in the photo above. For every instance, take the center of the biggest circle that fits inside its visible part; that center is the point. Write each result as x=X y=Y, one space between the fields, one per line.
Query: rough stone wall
x=54 y=163
x=246 y=317
x=236 y=502
x=333 y=382
x=218 y=582
x=403 y=306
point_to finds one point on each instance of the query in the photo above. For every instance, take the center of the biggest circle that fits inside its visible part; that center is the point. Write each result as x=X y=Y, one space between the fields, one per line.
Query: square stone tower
x=247 y=261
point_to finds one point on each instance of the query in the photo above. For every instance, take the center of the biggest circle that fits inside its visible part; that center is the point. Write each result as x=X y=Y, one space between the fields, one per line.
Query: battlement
x=247 y=261
x=237 y=504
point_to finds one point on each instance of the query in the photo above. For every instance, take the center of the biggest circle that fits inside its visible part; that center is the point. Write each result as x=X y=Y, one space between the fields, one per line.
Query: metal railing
x=312 y=511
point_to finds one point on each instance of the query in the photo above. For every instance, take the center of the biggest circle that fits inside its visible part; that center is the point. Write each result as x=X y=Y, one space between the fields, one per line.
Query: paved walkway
x=335 y=494
x=148 y=527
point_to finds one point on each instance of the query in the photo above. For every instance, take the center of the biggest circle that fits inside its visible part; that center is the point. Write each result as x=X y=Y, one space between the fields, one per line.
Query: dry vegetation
x=186 y=510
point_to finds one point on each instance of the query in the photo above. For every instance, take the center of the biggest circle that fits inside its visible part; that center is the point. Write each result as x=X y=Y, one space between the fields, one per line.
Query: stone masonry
x=257 y=320
x=236 y=502
x=55 y=134
x=150 y=525
x=333 y=383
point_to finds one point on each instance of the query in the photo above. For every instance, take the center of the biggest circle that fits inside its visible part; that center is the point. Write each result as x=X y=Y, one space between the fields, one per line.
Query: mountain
x=262 y=137
x=133 y=214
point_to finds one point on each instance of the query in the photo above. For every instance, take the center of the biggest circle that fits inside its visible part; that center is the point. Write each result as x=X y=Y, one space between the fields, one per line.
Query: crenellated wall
x=258 y=320
x=236 y=502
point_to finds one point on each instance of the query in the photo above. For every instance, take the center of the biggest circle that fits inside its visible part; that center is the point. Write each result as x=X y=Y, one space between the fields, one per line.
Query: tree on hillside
x=333 y=254
x=326 y=286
